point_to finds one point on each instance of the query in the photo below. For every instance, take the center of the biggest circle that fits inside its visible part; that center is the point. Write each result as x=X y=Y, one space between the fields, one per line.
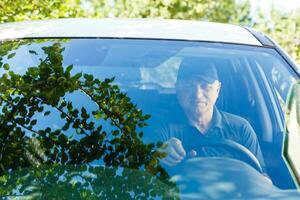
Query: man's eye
x=205 y=86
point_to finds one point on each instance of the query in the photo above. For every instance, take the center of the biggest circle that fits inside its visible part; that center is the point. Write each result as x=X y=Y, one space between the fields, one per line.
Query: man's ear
x=219 y=86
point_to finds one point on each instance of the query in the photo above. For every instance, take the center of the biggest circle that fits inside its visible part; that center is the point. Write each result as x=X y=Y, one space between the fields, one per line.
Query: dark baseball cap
x=197 y=69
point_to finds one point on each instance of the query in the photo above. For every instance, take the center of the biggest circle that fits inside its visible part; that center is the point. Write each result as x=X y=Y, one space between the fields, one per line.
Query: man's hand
x=175 y=152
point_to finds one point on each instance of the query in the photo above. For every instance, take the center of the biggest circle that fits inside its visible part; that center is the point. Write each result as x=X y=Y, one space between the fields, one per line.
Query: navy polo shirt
x=223 y=126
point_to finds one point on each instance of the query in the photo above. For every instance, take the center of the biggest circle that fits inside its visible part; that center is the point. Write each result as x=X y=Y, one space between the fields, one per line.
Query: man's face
x=197 y=98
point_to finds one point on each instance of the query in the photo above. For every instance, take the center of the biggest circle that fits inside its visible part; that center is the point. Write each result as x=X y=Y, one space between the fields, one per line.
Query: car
x=97 y=108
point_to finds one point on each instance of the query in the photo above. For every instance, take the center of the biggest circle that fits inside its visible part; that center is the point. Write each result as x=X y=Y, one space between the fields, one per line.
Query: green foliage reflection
x=48 y=153
x=85 y=182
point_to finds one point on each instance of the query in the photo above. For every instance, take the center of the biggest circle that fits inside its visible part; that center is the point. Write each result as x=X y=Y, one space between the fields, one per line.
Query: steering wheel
x=246 y=155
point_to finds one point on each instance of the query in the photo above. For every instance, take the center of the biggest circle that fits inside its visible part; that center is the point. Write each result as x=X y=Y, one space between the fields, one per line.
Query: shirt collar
x=216 y=119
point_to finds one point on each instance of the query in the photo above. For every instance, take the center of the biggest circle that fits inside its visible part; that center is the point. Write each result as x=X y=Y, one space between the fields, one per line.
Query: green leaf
x=88 y=77
x=115 y=132
x=69 y=68
x=11 y=55
x=77 y=76
x=98 y=115
x=46 y=113
x=6 y=66
x=33 y=71
x=33 y=122
x=33 y=52
x=147 y=117
x=63 y=115
x=69 y=106
x=65 y=127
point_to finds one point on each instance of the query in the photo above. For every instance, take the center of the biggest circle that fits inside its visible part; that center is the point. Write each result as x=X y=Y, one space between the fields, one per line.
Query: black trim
x=268 y=42
x=130 y=38
x=284 y=55
x=264 y=40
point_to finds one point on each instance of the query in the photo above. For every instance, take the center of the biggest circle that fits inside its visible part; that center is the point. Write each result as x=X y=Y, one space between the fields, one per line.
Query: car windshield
x=100 y=116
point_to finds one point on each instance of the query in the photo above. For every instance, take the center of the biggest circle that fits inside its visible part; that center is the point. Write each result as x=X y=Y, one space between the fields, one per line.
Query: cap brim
x=205 y=79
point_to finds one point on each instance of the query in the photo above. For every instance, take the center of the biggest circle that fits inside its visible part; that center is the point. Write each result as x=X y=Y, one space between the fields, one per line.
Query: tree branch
x=100 y=107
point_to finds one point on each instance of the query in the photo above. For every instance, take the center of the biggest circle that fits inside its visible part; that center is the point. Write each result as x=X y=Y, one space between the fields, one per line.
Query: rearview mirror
x=291 y=147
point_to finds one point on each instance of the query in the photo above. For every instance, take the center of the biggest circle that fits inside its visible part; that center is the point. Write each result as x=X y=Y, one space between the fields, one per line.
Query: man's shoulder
x=234 y=120
x=237 y=124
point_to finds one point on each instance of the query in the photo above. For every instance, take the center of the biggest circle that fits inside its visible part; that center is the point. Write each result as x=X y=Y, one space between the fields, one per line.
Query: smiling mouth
x=198 y=102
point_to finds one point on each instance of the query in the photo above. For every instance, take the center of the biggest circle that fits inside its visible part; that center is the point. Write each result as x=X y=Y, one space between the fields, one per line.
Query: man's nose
x=199 y=92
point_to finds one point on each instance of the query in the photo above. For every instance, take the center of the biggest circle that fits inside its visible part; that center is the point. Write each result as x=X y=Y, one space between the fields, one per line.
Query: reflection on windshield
x=27 y=144
x=75 y=111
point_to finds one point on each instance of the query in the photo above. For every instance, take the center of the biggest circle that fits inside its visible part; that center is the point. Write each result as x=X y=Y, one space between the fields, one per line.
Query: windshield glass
x=146 y=116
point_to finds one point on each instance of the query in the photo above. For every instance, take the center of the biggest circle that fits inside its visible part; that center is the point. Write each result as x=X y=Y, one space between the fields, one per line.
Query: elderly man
x=197 y=89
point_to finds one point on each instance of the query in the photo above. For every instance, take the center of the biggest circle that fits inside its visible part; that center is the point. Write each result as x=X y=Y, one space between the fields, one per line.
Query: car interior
x=148 y=77
x=241 y=94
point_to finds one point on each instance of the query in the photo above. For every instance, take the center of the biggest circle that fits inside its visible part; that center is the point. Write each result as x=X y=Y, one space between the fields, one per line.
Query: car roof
x=129 y=28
